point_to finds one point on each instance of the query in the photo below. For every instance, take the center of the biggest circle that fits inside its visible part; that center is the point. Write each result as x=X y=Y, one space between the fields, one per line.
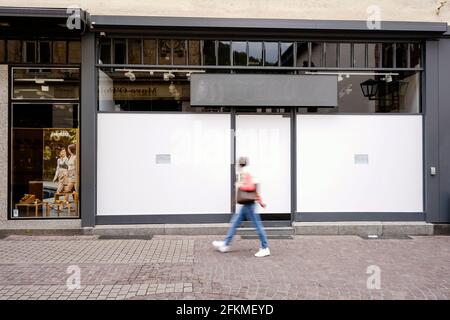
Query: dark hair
x=72 y=148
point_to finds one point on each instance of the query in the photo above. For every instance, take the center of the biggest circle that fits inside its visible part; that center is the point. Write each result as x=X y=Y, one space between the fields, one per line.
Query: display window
x=44 y=137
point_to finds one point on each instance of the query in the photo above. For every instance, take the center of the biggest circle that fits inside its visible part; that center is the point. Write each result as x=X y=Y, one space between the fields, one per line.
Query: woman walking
x=248 y=196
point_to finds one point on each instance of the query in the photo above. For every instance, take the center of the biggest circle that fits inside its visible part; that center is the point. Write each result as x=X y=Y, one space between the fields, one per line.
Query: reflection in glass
x=388 y=55
x=194 y=53
x=75 y=52
x=29 y=52
x=2 y=50
x=60 y=52
x=14 y=47
x=401 y=54
x=224 y=51
x=271 y=53
x=134 y=51
x=45 y=51
x=402 y=95
x=331 y=55
x=179 y=52
x=255 y=53
x=287 y=54
x=359 y=55
x=302 y=54
x=374 y=55
x=44 y=172
x=345 y=55
x=415 y=55
x=209 y=52
x=165 y=52
x=149 y=51
x=55 y=83
x=316 y=54
x=239 y=53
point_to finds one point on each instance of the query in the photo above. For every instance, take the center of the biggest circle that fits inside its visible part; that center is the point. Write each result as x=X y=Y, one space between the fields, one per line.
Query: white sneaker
x=220 y=246
x=263 y=253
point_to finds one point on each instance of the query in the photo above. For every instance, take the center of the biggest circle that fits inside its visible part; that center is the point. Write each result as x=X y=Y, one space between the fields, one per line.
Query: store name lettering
x=56 y=135
x=133 y=91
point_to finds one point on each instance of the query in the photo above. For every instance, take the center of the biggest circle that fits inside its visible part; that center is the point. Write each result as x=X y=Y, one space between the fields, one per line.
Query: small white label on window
x=361 y=159
x=163 y=159
x=15 y=213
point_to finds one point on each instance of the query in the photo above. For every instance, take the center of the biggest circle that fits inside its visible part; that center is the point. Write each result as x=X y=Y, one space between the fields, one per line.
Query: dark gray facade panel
x=358 y=216
x=444 y=130
x=88 y=127
x=245 y=23
x=431 y=130
x=264 y=90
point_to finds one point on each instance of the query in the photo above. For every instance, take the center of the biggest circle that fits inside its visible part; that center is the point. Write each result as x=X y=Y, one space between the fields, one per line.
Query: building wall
x=444 y=131
x=398 y=10
x=3 y=141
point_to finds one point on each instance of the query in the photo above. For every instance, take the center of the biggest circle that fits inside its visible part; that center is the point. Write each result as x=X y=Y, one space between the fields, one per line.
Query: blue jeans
x=247 y=210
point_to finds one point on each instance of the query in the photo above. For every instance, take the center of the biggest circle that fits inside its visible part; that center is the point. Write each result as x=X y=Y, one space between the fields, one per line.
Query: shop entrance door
x=266 y=140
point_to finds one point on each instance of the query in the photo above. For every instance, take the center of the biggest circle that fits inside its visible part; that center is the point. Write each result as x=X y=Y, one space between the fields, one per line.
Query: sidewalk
x=186 y=267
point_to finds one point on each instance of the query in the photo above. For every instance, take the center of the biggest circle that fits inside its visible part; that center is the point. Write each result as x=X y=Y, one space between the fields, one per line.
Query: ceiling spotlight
x=130 y=75
x=340 y=78
x=168 y=76
x=388 y=78
x=188 y=75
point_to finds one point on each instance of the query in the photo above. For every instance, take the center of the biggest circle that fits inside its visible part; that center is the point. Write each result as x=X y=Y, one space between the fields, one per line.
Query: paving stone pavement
x=186 y=267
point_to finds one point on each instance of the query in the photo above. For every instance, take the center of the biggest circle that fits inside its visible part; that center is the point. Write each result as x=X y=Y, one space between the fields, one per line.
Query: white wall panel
x=330 y=181
x=197 y=179
x=265 y=140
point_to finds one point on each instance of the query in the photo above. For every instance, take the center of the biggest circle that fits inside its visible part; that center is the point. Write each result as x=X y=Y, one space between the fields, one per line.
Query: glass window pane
x=2 y=50
x=59 y=52
x=49 y=83
x=74 y=52
x=147 y=93
x=316 y=54
x=120 y=50
x=209 y=52
x=402 y=95
x=14 y=51
x=271 y=52
x=224 y=51
x=29 y=52
x=388 y=55
x=44 y=173
x=302 y=54
x=45 y=51
x=165 y=52
x=134 y=51
x=331 y=55
x=194 y=53
x=287 y=54
x=179 y=52
x=255 y=54
x=345 y=55
x=374 y=55
x=359 y=55
x=150 y=51
x=415 y=55
x=401 y=53
x=239 y=53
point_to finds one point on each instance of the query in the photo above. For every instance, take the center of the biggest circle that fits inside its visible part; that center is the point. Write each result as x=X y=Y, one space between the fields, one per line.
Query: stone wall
x=393 y=10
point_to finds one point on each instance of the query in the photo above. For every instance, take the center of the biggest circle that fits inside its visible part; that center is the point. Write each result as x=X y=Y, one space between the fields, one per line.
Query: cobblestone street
x=187 y=267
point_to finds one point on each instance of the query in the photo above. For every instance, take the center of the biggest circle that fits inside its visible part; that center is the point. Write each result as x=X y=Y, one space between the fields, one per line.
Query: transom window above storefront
x=255 y=54
x=40 y=51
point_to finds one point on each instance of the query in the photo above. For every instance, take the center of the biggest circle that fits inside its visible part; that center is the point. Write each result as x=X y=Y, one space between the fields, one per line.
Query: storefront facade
x=139 y=120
